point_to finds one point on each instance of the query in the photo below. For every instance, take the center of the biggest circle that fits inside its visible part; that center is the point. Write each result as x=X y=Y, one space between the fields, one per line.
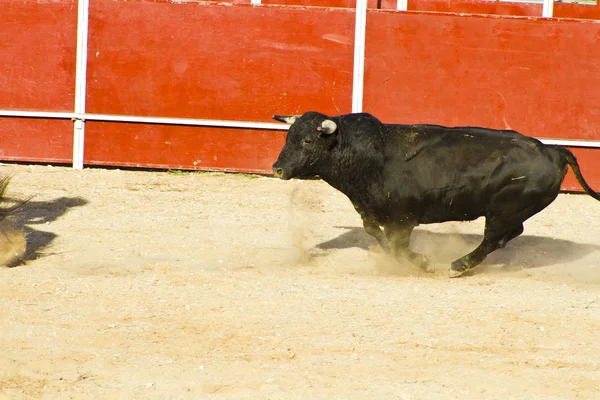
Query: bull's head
x=308 y=142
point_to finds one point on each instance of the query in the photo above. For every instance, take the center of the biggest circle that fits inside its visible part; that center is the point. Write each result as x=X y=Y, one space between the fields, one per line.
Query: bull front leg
x=373 y=229
x=398 y=237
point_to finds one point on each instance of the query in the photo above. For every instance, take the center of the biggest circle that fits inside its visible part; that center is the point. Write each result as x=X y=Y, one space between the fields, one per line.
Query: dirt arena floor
x=158 y=285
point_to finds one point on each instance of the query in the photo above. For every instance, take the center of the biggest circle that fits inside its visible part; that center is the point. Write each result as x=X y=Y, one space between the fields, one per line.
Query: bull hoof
x=452 y=273
x=375 y=249
x=457 y=269
x=428 y=268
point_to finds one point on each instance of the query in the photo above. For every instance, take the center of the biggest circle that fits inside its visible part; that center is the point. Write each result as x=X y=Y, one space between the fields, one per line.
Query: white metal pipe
x=185 y=121
x=37 y=114
x=359 y=55
x=572 y=143
x=146 y=120
x=216 y=123
x=80 y=81
x=402 y=5
x=547 y=8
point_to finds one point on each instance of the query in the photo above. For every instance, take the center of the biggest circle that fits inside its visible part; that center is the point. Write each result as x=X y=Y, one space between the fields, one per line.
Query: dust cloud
x=298 y=226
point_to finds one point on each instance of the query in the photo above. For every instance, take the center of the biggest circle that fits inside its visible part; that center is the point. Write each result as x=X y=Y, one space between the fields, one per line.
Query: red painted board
x=37 y=65
x=218 y=62
x=572 y=10
x=182 y=147
x=476 y=7
x=317 y=3
x=540 y=77
x=33 y=139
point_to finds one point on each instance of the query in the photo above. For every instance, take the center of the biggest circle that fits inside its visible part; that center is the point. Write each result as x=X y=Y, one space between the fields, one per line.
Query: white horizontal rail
x=572 y=142
x=185 y=121
x=217 y=123
x=37 y=114
x=145 y=120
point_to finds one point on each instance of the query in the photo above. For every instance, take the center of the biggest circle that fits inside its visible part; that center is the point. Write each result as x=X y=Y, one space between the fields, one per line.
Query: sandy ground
x=155 y=285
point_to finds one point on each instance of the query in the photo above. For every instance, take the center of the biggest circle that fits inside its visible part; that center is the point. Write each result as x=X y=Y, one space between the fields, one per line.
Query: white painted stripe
x=359 y=56
x=37 y=114
x=402 y=5
x=594 y=144
x=145 y=120
x=186 y=121
x=547 y=8
x=80 y=81
x=216 y=123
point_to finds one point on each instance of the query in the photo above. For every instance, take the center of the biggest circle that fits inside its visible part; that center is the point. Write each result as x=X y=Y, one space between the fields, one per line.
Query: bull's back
x=457 y=171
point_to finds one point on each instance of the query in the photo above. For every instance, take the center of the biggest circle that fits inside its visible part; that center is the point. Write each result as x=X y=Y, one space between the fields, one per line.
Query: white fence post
x=80 y=81
x=359 y=55
x=402 y=5
x=548 y=8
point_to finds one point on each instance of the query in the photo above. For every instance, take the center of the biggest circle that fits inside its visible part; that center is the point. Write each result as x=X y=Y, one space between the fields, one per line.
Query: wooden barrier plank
x=37 y=66
x=182 y=147
x=218 y=62
x=539 y=77
x=477 y=7
x=535 y=76
x=573 y=10
x=38 y=140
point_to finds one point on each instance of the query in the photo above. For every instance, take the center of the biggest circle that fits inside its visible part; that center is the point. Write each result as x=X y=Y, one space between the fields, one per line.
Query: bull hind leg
x=500 y=228
x=493 y=239
x=510 y=236
x=504 y=221
x=399 y=240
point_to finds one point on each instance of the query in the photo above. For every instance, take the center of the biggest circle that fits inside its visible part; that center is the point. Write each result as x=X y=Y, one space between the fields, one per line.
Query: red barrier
x=39 y=140
x=160 y=146
x=37 y=66
x=221 y=62
x=539 y=77
x=37 y=72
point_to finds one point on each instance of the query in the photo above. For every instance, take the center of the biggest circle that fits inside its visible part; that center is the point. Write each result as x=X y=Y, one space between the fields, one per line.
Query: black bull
x=400 y=176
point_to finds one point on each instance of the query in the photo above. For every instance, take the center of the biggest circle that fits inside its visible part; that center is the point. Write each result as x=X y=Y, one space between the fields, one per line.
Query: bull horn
x=288 y=119
x=327 y=127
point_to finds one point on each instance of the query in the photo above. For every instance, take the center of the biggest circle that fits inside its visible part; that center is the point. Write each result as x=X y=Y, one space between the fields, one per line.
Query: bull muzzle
x=277 y=172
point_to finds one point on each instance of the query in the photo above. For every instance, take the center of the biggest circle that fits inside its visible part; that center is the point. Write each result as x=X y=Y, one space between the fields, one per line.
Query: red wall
x=220 y=60
x=539 y=77
x=37 y=72
x=217 y=62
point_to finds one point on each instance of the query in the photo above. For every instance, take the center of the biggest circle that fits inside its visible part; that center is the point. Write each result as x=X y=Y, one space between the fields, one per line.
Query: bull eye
x=306 y=142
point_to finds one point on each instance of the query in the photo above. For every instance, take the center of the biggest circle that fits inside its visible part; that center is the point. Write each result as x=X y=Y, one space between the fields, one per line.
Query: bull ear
x=288 y=119
x=327 y=127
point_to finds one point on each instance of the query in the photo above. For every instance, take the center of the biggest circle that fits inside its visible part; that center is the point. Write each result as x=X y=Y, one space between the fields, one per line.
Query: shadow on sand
x=523 y=252
x=39 y=213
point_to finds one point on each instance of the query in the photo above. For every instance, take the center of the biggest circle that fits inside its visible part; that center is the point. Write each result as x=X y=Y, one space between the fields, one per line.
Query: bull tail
x=572 y=161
